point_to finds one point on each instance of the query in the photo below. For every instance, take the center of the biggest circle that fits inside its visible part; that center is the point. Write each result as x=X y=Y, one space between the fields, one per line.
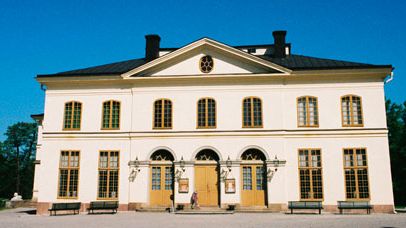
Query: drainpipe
x=389 y=78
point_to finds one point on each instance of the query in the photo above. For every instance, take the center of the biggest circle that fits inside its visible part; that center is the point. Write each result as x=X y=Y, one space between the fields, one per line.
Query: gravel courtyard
x=18 y=218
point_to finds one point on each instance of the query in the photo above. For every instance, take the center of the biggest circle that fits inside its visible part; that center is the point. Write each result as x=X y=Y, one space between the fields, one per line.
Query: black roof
x=292 y=62
x=301 y=62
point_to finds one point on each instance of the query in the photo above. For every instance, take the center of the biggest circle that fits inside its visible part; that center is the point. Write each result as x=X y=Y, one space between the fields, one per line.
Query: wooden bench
x=354 y=205
x=65 y=207
x=305 y=205
x=103 y=205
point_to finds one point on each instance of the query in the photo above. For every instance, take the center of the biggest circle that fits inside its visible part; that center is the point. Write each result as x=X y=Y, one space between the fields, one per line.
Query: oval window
x=206 y=64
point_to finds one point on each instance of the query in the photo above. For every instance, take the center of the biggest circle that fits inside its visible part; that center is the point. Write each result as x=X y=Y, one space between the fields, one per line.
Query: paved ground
x=17 y=218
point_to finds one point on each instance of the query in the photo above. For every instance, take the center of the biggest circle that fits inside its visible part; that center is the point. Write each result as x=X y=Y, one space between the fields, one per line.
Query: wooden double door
x=207 y=185
x=253 y=185
x=161 y=185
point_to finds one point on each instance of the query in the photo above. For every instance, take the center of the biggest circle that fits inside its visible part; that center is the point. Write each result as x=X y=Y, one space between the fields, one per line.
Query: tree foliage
x=396 y=121
x=17 y=154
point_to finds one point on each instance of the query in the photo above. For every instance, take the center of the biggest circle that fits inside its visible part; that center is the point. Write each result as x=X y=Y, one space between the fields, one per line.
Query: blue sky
x=39 y=37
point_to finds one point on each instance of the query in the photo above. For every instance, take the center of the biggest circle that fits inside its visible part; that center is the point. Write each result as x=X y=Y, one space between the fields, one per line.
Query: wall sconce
x=224 y=173
x=179 y=172
x=228 y=164
x=135 y=169
x=275 y=163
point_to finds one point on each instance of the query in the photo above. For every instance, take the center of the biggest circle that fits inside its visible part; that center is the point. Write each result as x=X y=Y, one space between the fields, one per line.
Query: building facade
x=252 y=126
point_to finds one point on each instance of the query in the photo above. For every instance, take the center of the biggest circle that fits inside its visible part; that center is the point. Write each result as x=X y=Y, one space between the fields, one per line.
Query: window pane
x=158 y=114
x=73 y=183
x=63 y=183
x=76 y=115
x=156 y=178
x=113 y=184
x=305 y=184
x=363 y=183
x=103 y=163
x=68 y=115
x=106 y=114
x=168 y=178
x=115 y=115
x=247 y=178
x=211 y=109
x=102 y=184
x=114 y=159
x=317 y=184
x=247 y=112
x=257 y=112
x=201 y=108
x=350 y=184
x=168 y=114
x=64 y=159
x=260 y=178
x=302 y=112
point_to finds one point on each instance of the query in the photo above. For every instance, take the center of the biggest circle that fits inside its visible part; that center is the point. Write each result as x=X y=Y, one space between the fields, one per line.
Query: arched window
x=252 y=112
x=162 y=155
x=163 y=114
x=111 y=115
x=206 y=113
x=207 y=155
x=253 y=155
x=307 y=112
x=72 y=115
x=351 y=110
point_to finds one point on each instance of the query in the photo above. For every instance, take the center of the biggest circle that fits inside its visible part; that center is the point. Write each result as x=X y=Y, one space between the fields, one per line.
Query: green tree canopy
x=17 y=154
x=396 y=119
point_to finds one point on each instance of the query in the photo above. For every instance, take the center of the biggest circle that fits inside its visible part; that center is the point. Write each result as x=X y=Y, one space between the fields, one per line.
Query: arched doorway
x=253 y=178
x=207 y=178
x=161 y=178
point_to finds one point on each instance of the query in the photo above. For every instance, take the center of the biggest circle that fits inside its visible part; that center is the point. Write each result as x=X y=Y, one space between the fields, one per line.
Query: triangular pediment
x=186 y=62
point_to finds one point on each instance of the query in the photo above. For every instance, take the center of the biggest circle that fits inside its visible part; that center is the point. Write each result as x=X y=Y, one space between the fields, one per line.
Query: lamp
x=275 y=163
x=135 y=169
x=224 y=173
x=228 y=163
x=182 y=164
x=179 y=172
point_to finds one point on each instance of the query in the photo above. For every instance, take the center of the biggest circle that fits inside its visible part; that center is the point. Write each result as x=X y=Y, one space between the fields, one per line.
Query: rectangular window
x=252 y=112
x=68 y=174
x=111 y=115
x=162 y=114
x=206 y=113
x=310 y=174
x=307 y=112
x=72 y=115
x=351 y=111
x=356 y=173
x=108 y=174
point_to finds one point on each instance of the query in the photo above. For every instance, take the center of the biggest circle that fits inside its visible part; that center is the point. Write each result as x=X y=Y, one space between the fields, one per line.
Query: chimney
x=152 y=47
x=279 y=44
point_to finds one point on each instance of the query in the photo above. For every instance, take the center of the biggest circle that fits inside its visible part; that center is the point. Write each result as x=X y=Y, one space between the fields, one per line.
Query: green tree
x=17 y=154
x=396 y=119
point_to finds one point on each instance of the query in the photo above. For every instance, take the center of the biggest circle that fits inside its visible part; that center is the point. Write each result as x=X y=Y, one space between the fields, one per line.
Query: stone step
x=204 y=212
x=153 y=209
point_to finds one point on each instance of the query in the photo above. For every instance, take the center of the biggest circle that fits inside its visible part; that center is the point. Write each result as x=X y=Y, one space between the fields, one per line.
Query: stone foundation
x=136 y=206
x=277 y=207
x=42 y=208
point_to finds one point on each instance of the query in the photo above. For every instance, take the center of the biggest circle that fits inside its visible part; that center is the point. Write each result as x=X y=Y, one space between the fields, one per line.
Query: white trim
x=199 y=43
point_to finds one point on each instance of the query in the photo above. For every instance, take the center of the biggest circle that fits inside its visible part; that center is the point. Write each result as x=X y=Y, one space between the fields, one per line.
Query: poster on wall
x=183 y=185
x=230 y=185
